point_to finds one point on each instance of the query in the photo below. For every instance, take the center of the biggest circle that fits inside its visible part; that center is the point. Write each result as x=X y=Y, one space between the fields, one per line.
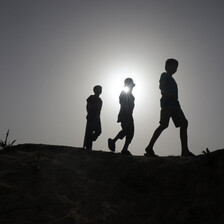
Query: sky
x=53 y=52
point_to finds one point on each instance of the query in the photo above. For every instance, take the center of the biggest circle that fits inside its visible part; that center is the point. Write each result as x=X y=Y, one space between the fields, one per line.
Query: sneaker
x=126 y=153
x=150 y=153
x=111 y=145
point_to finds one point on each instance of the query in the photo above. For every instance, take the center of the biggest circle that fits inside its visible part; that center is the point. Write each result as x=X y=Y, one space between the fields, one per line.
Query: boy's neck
x=170 y=74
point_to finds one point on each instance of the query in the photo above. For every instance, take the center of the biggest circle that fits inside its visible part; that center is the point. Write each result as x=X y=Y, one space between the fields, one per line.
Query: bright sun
x=126 y=89
x=116 y=75
x=116 y=84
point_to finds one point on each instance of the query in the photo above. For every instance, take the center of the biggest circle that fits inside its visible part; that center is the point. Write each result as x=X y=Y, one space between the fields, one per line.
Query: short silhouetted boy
x=125 y=118
x=93 y=126
x=170 y=108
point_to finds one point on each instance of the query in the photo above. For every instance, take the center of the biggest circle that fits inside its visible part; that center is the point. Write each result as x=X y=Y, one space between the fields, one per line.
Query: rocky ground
x=66 y=185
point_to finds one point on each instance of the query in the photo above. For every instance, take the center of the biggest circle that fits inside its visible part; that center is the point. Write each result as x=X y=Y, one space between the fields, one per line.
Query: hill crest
x=60 y=184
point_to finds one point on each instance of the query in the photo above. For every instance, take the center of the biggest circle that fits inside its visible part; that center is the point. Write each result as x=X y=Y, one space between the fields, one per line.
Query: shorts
x=127 y=130
x=175 y=113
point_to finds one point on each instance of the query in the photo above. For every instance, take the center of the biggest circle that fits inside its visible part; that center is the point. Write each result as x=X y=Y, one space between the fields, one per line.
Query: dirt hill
x=65 y=185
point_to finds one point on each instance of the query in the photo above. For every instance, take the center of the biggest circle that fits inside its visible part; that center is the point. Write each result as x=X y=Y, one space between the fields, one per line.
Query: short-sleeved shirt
x=168 y=84
x=94 y=105
x=127 y=102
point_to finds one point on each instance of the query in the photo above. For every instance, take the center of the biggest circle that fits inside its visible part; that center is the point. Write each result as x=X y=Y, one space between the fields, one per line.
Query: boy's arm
x=88 y=104
x=101 y=104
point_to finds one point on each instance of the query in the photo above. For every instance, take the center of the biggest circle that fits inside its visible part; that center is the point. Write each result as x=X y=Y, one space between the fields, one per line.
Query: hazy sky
x=52 y=53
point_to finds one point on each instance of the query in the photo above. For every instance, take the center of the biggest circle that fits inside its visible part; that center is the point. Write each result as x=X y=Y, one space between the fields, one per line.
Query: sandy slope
x=73 y=186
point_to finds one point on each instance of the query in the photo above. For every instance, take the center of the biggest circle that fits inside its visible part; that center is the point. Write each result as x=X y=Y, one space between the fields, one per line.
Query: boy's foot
x=150 y=152
x=126 y=153
x=187 y=153
x=111 y=145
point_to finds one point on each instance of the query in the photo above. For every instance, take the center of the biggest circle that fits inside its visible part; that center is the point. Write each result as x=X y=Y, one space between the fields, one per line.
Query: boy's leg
x=112 y=142
x=184 y=140
x=84 y=141
x=156 y=134
x=97 y=130
x=125 y=151
x=88 y=136
x=180 y=120
x=128 y=129
x=164 y=123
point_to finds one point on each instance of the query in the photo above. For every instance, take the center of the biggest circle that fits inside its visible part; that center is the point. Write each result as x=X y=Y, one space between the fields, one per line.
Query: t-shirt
x=169 y=91
x=94 y=105
x=127 y=106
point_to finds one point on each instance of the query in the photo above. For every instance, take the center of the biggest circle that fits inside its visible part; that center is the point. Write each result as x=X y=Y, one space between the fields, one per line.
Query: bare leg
x=126 y=144
x=88 y=137
x=184 y=141
x=112 y=142
x=183 y=138
x=117 y=137
x=125 y=151
x=155 y=136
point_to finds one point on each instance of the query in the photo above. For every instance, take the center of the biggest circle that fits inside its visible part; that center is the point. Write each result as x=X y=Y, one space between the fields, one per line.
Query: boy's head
x=128 y=85
x=171 y=66
x=129 y=82
x=97 y=90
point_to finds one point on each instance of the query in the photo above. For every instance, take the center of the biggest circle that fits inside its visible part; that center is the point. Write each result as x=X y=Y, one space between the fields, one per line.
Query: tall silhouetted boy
x=125 y=118
x=170 y=108
x=93 y=126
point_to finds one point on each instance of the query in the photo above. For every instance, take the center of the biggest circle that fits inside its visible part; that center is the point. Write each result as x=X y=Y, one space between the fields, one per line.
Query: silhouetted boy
x=170 y=108
x=125 y=118
x=93 y=126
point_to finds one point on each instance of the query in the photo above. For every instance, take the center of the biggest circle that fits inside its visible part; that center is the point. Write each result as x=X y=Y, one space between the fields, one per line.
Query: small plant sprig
x=6 y=144
x=206 y=152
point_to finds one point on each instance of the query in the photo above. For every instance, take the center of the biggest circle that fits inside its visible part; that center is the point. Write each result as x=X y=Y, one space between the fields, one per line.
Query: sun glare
x=126 y=89
x=116 y=75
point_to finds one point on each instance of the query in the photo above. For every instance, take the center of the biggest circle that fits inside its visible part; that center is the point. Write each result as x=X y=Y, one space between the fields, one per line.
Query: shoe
x=150 y=153
x=111 y=145
x=126 y=153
